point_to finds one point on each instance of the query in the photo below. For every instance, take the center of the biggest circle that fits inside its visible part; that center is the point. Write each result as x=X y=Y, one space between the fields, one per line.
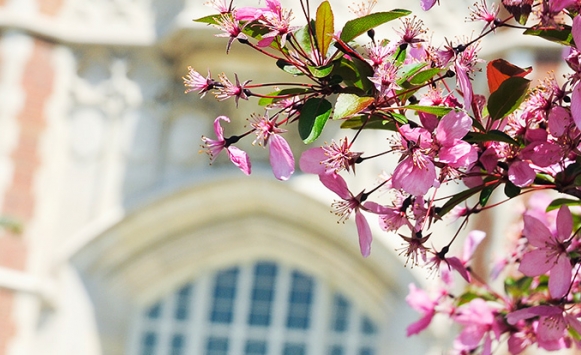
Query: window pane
x=149 y=343
x=154 y=312
x=368 y=327
x=224 y=294
x=340 y=313
x=300 y=300
x=217 y=346
x=177 y=345
x=183 y=302
x=254 y=347
x=294 y=349
x=262 y=294
x=366 y=351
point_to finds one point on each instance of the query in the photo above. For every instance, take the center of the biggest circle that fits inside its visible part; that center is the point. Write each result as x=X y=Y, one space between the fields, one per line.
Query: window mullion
x=320 y=317
x=239 y=326
x=279 y=309
x=353 y=331
x=197 y=330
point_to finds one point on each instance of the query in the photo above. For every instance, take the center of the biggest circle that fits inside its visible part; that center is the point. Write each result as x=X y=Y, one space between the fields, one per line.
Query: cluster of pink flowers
x=439 y=131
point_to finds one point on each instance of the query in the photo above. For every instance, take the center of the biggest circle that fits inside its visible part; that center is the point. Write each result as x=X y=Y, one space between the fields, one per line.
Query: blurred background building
x=132 y=243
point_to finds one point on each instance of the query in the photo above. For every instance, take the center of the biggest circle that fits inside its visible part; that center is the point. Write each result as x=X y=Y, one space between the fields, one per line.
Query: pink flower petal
x=311 y=161
x=527 y=313
x=427 y=4
x=473 y=239
x=337 y=184
x=564 y=224
x=521 y=174
x=421 y=324
x=535 y=263
x=364 y=232
x=453 y=126
x=413 y=179
x=281 y=157
x=239 y=158
x=576 y=104
x=576 y=31
x=535 y=231
x=457 y=265
x=560 y=278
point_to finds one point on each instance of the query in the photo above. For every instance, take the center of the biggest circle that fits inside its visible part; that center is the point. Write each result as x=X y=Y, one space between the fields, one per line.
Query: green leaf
x=562 y=37
x=507 y=97
x=314 y=115
x=374 y=123
x=269 y=100
x=458 y=198
x=485 y=194
x=210 y=19
x=321 y=72
x=359 y=26
x=424 y=76
x=348 y=105
x=409 y=71
x=402 y=119
x=288 y=67
x=435 y=110
x=304 y=39
x=492 y=135
x=511 y=190
x=562 y=202
x=324 y=27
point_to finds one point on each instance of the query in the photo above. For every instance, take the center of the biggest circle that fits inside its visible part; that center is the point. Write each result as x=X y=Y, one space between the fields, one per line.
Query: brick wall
x=19 y=201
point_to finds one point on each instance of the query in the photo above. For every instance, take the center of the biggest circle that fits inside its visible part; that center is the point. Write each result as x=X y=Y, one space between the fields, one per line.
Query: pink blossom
x=479 y=323
x=280 y=155
x=196 y=82
x=473 y=239
x=214 y=147
x=350 y=203
x=427 y=4
x=231 y=28
x=550 y=253
x=332 y=157
x=520 y=173
x=553 y=321
x=419 y=300
x=449 y=133
x=227 y=89
x=416 y=173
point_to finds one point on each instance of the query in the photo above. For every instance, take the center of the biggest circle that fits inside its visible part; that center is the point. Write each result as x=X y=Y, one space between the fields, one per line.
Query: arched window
x=254 y=309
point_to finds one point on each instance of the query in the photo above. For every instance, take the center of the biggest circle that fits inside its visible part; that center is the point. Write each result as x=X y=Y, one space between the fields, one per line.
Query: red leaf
x=499 y=70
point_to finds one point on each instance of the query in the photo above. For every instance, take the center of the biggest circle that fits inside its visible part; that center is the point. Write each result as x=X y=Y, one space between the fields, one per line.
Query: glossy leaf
x=374 y=123
x=287 y=67
x=348 y=105
x=324 y=27
x=508 y=97
x=511 y=190
x=490 y=136
x=423 y=76
x=409 y=71
x=558 y=36
x=434 y=110
x=520 y=11
x=485 y=195
x=269 y=100
x=359 y=26
x=321 y=72
x=314 y=115
x=210 y=19
x=562 y=202
x=498 y=70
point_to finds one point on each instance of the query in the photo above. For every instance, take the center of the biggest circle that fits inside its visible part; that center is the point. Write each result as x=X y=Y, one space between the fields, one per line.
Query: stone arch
x=223 y=222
